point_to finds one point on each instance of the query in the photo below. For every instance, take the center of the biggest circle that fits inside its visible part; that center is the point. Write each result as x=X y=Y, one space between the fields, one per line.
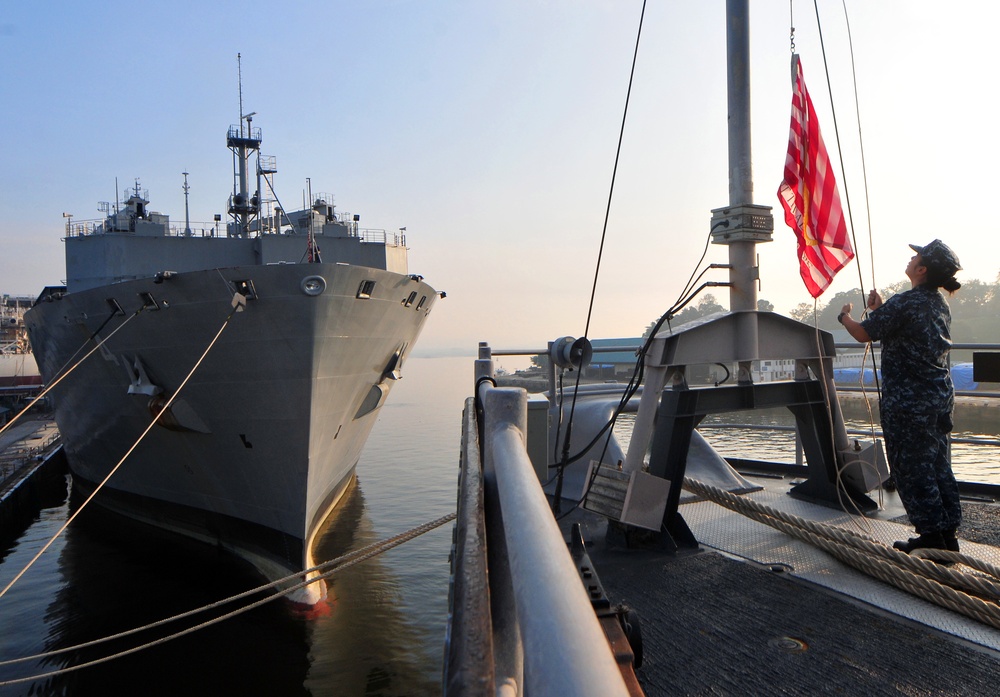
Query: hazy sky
x=488 y=130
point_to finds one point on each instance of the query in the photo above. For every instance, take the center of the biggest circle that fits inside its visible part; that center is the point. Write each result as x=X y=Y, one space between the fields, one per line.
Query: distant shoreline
x=540 y=383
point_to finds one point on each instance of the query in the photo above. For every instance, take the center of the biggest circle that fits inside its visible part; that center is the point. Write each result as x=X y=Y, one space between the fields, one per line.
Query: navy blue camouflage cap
x=938 y=255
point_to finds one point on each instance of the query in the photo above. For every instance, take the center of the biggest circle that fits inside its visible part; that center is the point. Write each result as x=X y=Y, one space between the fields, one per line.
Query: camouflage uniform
x=917 y=403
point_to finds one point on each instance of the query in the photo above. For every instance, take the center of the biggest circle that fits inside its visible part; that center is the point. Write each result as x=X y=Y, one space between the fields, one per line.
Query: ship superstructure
x=263 y=439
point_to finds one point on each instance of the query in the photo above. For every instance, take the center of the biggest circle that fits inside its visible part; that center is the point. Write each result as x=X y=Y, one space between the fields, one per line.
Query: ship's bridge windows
x=366 y=289
x=423 y=299
x=409 y=300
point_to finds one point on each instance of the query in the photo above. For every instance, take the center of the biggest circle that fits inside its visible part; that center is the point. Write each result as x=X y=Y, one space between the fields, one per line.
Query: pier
x=31 y=462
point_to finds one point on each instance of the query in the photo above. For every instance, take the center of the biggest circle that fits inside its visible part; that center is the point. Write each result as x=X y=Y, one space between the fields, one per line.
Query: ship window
x=410 y=299
x=366 y=289
x=423 y=299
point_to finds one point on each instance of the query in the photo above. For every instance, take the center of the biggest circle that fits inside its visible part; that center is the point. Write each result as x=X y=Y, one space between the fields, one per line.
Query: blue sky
x=488 y=130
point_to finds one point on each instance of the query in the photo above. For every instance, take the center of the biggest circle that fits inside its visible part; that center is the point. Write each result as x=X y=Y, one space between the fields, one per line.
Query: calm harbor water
x=971 y=462
x=383 y=633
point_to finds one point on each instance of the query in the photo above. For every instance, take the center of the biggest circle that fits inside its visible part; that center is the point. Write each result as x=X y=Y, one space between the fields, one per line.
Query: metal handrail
x=469 y=663
x=565 y=651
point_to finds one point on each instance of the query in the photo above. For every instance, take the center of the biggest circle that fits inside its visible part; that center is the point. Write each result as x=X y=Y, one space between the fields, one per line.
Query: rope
x=861 y=143
x=850 y=215
x=864 y=169
x=829 y=397
x=597 y=270
x=49 y=388
x=614 y=171
x=236 y=308
x=329 y=568
x=915 y=574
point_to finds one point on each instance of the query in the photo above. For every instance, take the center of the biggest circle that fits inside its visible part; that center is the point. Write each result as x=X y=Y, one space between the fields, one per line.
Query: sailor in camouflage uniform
x=918 y=397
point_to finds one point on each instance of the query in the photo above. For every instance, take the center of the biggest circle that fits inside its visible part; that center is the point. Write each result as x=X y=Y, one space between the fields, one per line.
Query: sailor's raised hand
x=874 y=300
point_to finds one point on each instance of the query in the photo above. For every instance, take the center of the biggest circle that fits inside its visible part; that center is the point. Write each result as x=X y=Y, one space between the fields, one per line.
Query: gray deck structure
x=757 y=612
x=746 y=609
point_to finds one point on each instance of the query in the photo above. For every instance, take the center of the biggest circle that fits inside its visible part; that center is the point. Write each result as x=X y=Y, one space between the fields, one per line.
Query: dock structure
x=30 y=457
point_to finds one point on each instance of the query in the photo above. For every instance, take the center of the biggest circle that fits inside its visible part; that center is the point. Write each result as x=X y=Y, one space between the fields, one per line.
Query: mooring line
x=237 y=306
x=916 y=574
x=331 y=567
x=76 y=365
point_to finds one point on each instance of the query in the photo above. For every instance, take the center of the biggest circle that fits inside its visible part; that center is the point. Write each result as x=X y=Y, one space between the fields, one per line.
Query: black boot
x=933 y=540
x=950 y=541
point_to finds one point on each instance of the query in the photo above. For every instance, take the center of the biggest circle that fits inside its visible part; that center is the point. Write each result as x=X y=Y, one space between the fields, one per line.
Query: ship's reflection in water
x=383 y=634
x=110 y=575
x=365 y=645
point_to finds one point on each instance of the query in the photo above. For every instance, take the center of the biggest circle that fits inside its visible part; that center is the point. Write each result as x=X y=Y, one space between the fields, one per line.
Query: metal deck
x=735 y=534
x=757 y=612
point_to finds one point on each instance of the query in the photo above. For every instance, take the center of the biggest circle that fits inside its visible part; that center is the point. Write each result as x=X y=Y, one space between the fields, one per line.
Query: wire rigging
x=861 y=143
x=62 y=376
x=840 y=152
x=597 y=269
x=328 y=568
x=236 y=307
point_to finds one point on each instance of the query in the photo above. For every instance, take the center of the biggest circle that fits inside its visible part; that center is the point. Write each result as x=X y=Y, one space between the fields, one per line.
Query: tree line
x=975 y=310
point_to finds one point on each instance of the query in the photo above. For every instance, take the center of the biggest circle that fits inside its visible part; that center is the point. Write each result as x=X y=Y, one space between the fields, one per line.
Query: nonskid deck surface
x=722 y=622
x=735 y=534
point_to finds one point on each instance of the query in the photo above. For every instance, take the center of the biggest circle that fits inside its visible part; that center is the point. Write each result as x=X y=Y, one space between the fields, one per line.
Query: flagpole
x=738 y=86
x=741 y=225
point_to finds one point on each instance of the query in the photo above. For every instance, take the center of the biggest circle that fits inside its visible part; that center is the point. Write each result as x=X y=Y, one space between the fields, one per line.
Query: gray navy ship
x=258 y=442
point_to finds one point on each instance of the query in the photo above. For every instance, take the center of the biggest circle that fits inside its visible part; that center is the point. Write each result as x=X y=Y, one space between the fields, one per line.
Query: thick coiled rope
x=972 y=595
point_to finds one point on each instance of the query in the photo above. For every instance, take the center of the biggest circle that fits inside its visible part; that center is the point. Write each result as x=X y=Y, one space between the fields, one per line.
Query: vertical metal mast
x=187 y=212
x=670 y=409
x=243 y=142
x=741 y=225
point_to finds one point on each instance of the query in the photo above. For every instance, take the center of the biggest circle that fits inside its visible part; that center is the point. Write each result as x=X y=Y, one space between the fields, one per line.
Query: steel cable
x=329 y=568
x=62 y=376
x=236 y=307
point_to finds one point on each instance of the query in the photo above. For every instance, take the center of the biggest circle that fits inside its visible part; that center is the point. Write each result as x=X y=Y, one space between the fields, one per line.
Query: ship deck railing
x=87 y=228
x=522 y=622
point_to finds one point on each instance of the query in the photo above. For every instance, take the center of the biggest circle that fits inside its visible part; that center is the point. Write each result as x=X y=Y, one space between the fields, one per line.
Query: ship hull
x=262 y=440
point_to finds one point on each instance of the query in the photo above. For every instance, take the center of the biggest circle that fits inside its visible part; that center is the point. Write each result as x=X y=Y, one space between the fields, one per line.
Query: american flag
x=809 y=196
